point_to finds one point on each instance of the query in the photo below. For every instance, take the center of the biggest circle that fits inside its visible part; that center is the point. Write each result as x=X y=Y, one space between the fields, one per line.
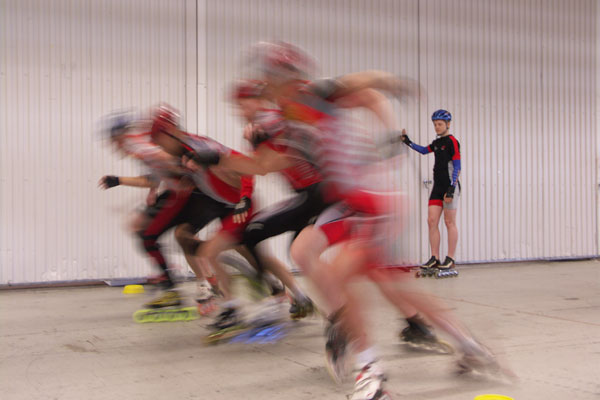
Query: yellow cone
x=133 y=289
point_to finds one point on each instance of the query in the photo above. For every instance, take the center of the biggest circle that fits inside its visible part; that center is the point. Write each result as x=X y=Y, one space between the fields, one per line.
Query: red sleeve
x=247 y=186
x=456 y=148
x=247 y=181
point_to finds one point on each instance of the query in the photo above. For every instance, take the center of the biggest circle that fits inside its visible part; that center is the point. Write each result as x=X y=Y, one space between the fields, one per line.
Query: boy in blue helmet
x=446 y=188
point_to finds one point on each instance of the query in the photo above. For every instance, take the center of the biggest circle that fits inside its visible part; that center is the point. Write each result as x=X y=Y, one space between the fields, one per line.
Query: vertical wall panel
x=528 y=186
x=65 y=63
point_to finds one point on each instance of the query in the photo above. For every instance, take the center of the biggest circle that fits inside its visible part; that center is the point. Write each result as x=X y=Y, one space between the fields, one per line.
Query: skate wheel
x=138 y=316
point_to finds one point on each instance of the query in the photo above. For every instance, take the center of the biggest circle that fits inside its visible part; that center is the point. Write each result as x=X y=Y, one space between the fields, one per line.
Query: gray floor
x=542 y=319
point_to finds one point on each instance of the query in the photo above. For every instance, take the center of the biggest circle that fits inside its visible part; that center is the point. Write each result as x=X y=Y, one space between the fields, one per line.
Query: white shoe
x=204 y=292
x=369 y=384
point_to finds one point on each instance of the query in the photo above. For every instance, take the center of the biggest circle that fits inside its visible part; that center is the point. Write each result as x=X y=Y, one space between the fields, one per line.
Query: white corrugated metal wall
x=518 y=76
x=65 y=63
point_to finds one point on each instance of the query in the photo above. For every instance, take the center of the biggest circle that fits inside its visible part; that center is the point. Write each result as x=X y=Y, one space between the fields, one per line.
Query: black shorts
x=174 y=208
x=436 y=198
x=291 y=215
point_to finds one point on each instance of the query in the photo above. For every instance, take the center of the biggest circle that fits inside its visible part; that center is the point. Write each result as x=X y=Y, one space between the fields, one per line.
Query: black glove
x=111 y=181
x=205 y=157
x=450 y=192
x=243 y=206
x=406 y=140
x=258 y=136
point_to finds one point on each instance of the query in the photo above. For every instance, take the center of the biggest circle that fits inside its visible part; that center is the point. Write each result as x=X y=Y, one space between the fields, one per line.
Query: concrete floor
x=542 y=319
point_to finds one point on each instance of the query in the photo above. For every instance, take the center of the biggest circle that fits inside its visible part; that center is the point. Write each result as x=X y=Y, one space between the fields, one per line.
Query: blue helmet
x=441 y=115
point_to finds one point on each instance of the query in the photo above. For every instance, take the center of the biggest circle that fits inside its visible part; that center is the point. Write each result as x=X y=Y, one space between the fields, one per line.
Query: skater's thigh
x=349 y=262
x=434 y=213
x=311 y=242
x=221 y=242
x=449 y=216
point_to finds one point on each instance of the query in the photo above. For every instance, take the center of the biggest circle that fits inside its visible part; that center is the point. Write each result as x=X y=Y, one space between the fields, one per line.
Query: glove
x=204 y=158
x=259 y=137
x=110 y=181
x=240 y=211
x=255 y=134
x=450 y=192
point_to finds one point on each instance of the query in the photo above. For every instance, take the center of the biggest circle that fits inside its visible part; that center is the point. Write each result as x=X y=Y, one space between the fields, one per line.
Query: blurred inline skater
x=314 y=130
x=173 y=207
x=228 y=194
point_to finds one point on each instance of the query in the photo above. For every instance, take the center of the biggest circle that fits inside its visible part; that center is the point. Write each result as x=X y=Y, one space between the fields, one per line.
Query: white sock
x=365 y=357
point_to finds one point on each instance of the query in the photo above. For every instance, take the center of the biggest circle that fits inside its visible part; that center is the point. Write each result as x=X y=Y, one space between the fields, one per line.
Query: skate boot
x=419 y=335
x=268 y=312
x=429 y=268
x=170 y=298
x=447 y=269
x=336 y=348
x=205 y=297
x=301 y=308
x=227 y=325
x=480 y=360
x=227 y=318
x=369 y=384
x=204 y=292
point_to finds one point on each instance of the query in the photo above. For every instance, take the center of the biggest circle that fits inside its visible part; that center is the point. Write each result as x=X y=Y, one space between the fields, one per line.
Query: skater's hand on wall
x=405 y=138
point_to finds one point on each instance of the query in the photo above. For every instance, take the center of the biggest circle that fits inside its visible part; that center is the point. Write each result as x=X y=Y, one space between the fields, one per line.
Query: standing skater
x=444 y=195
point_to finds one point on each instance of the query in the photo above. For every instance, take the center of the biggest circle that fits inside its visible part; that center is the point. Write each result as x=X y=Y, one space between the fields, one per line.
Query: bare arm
x=379 y=80
x=138 y=181
x=109 y=181
x=374 y=101
x=265 y=160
